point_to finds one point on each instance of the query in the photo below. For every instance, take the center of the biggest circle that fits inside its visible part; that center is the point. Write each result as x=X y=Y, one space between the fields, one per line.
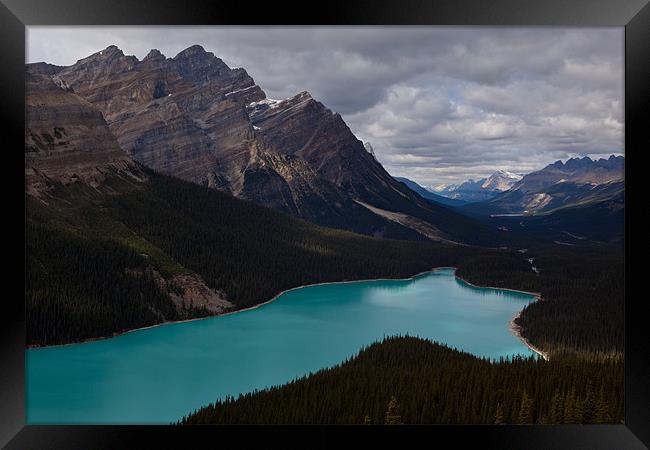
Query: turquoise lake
x=157 y=375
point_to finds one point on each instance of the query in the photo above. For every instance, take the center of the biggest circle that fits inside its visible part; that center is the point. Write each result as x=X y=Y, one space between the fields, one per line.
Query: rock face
x=66 y=138
x=193 y=117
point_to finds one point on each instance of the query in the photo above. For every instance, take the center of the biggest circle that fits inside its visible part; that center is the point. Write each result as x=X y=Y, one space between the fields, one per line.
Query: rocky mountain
x=427 y=194
x=193 y=117
x=573 y=203
x=480 y=190
x=577 y=181
x=576 y=171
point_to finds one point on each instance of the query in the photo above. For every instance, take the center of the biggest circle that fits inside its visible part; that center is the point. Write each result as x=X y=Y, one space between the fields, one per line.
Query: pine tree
x=557 y=408
x=526 y=411
x=589 y=405
x=392 y=413
x=498 y=416
x=602 y=409
x=572 y=408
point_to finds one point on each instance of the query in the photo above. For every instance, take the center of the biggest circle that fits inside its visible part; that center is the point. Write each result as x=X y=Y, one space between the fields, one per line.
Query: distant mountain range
x=575 y=200
x=558 y=185
x=195 y=118
x=425 y=193
x=480 y=190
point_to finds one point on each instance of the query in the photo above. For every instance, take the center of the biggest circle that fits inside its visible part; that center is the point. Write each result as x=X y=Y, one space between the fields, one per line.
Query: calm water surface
x=159 y=374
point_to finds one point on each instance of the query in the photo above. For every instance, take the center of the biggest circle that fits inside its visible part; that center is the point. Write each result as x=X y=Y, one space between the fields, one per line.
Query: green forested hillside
x=410 y=380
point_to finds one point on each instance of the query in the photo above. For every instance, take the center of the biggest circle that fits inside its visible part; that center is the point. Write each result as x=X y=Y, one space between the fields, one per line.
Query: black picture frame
x=634 y=15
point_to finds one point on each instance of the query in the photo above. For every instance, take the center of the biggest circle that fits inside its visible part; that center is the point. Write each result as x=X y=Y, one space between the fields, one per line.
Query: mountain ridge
x=572 y=203
x=556 y=185
x=193 y=117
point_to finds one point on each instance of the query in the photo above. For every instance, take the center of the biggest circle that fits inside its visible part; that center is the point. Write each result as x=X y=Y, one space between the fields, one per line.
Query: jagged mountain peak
x=198 y=54
x=112 y=51
x=200 y=67
x=192 y=50
x=111 y=60
x=575 y=163
x=585 y=162
x=154 y=53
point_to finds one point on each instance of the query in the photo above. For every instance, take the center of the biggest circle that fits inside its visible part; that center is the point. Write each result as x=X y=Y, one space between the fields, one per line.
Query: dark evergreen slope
x=431 y=383
x=583 y=306
x=79 y=288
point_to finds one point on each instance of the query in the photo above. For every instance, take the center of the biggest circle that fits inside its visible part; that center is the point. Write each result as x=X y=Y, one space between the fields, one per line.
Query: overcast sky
x=438 y=104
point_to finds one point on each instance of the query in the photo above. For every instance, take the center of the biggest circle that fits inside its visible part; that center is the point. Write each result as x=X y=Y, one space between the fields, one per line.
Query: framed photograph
x=389 y=221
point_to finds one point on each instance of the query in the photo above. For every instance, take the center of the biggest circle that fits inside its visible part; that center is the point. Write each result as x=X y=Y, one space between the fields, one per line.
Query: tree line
x=415 y=381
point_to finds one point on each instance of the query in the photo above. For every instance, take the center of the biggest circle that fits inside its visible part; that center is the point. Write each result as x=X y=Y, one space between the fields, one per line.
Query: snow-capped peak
x=501 y=180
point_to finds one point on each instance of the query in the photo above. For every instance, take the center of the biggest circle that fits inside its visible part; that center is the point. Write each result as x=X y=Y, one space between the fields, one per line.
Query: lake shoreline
x=515 y=329
x=212 y=316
